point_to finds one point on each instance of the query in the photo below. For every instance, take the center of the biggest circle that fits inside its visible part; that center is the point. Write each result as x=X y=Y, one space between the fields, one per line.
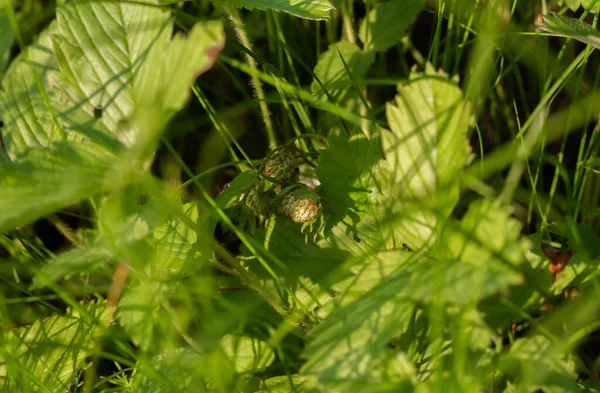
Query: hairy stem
x=238 y=25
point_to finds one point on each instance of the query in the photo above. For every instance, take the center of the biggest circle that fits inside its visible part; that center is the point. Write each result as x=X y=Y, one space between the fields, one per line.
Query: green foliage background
x=449 y=150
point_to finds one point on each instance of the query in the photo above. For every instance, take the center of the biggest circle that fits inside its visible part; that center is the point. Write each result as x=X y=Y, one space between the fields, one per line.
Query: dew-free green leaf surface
x=575 y=4
x=333 y=76
x=183 y=369
x=47 y=179
x=117 y=56
x=537 y=364
x=76 y=261
x=48 y=355
x=350 y=346
x=308 y=9
x=386 y=24
x=425 y=152
x=248 y=354
x=350 y=191
x=283 y=384
x=140 y=310
x=26 y=114
x=564 y=26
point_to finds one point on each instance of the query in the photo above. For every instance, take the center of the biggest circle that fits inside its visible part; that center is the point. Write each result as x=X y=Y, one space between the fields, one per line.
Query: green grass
x=279 y=196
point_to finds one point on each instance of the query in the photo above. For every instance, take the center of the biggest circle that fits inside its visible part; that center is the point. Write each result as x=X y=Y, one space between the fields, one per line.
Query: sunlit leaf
x=247 y=354
x=425 y=152
x=386 y=24
x=536 y=363
x=309 y=9
x=126 y=70
x=575 y=4
x=49 y=354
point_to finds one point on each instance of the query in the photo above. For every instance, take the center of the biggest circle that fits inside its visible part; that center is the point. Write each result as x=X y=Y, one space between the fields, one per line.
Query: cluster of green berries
x=298 y=202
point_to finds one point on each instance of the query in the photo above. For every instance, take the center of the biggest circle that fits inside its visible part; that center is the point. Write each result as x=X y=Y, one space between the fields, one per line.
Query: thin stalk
x=238 y=26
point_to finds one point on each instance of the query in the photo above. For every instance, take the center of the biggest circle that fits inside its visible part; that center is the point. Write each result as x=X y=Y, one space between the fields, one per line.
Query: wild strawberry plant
x=410 y=206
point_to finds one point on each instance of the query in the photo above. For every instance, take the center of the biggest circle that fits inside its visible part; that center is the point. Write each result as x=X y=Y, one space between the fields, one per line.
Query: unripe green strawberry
x=281 y=166
x=300 y=205
x=256 y=203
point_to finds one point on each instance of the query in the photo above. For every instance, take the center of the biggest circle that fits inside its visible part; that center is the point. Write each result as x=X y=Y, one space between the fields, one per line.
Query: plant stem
x=238 y=26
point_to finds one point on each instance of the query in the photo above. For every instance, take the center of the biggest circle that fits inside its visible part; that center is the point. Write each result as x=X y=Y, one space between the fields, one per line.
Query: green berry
x=300 y=206
x=257 y=204
x=281 y=166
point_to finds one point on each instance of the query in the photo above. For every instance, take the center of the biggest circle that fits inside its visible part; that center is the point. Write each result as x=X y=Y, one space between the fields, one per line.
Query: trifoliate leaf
x=425 y=152
x=48 y=355
x=333 y=76
x=385 y=25
x=309 y=9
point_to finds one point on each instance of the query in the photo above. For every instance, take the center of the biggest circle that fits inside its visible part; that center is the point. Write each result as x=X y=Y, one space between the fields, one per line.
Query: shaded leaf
x=564 y=26
x=182 y=369
x=349 y=348
x=536 y=364
x=350 y=192
x=334 y=77
x=77 y=261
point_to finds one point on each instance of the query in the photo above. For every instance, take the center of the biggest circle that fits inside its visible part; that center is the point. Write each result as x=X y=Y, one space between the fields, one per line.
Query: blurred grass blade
x=6 y=39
